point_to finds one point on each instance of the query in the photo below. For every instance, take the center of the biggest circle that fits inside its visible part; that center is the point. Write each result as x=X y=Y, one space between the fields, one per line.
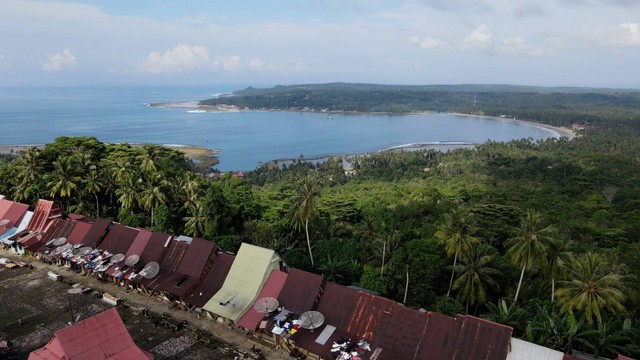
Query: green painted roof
x=249 y=272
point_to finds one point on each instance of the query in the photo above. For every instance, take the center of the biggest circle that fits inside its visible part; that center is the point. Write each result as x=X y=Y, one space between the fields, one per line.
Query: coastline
x=561 y=131
x=203 y=158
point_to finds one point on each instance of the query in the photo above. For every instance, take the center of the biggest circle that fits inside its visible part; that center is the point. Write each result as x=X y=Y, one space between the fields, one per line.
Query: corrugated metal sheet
x=480 y=339
x=45 y=211
x=248 y=274
x=139 y=243
x=367 y=315
x=192 y=267
x=79 y=232
x=119 y=239
x=337 y=305
x=97 y=233
x=14 y=213
x=523 y=350
x=4 y=206
x=272 y=288
x=103 y=336
x=15 y=231
x=400 y=333
x=154 y=249
x=438 y=338
x=112 y=237
x=196 y=257
x=301 y=292
x=57 y=228
x=212 y=283
x=168 y=265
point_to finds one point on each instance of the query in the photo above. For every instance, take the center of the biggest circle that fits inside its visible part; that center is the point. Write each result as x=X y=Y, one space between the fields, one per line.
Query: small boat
x=197 y=111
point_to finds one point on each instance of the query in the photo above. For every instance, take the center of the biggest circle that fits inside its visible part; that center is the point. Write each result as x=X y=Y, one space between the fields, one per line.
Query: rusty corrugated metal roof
x=480 y=339
x=14 y=213
x=438 y=337
x=119 y=239
x=367 y=315
x=96 y=233
x=301 y=291
x=337 y=305
x=400 y=333
x=168 y=265
x=139 y=243
x=155 y=248
x=196 y=257
x=212 y=283
x=57 y=228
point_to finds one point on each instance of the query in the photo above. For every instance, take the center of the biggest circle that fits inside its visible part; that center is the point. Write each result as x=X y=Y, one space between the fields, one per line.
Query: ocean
x=245 y=139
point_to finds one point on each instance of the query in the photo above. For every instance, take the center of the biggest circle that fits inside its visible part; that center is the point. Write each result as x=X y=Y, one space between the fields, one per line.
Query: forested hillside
x=542 y=236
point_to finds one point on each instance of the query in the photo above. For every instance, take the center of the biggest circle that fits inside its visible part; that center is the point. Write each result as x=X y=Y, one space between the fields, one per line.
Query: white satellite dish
x=117 y=258
x=150 y=270
x=60 y=241
x=84 y=251
x=4 y=222
x=132 y=260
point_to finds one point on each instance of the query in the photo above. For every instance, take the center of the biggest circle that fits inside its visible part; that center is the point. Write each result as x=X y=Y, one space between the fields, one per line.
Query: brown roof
x=367 y=315
x=79 y=232
x=301 y=291
x=480 y=339
x=192 y=268
x=204 y=291
x=139 y=243
x=438 y=337
x=168 y=265
x=96 y=233
x=337 y=305
x=400 y=333
x=155 y=248
x=57 y=228
x=119 y=239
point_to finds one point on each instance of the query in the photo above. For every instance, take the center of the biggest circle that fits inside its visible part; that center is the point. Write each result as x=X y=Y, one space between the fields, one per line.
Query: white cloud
x=228 y=63
x=300 y=67
x=481 y=37
x=622 y=35
x=3 y=62
x=257 y=64
x=180 y=58
x=518 y=45
x=60 y=61
x=428 y=43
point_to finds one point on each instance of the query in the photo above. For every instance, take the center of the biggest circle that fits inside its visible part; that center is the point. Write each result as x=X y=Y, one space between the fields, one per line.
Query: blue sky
x=261 y=43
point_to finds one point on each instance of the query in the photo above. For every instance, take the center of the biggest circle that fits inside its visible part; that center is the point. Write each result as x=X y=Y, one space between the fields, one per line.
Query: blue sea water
x=245 y=139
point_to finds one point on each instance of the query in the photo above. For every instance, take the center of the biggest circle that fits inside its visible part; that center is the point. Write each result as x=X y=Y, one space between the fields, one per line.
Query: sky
x=594 y=43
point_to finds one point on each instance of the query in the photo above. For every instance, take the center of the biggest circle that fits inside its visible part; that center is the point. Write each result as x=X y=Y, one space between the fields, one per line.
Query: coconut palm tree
x=528 y=248
x=62 y=180
x=28 y=171
x=476 y=275
x=558 y=255
x=457 y=235
x=153 y=193
x=147 y=158
x=591 y=288
x=93 y=185
x=303 y=210
x=196 y=223
x=127 y=194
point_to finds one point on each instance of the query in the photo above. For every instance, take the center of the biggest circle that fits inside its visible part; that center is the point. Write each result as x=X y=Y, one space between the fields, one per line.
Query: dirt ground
x=33 y=306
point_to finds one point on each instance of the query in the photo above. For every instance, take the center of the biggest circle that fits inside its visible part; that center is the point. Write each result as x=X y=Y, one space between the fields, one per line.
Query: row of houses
x=254 y=290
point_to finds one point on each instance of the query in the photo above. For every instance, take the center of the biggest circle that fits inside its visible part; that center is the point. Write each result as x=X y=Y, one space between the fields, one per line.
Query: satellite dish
x=311 y=319
x=150 y=270
x=132 y=260
x=59 y=241
x=4 y=222
x=117 y=258
x=266 y=305
x=84 y=251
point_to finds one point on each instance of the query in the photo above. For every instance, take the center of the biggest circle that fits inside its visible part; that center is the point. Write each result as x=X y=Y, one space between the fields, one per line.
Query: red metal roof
x=78 y=233
x=155 y=248
x=204 y=291
x=57 y=228
x=301 y=292
x=4 y=206
x=168 y=264
x=14 y=213
x=272 y=288
x=96 y=233
x=480 y=339
x=45 y=211
x=139 y=243
x=103 y=336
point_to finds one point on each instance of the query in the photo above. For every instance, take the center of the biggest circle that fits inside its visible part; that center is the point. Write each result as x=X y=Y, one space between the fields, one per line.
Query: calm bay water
x=118 y=114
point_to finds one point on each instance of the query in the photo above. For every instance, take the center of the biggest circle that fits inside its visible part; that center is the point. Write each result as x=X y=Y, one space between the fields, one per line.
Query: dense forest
x=542 y=236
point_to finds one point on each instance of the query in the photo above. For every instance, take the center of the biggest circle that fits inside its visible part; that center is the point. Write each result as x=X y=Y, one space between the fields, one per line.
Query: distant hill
x=552 y=105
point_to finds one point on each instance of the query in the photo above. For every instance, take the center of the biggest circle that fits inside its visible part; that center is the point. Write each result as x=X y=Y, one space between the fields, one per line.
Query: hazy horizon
x=555 y=43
